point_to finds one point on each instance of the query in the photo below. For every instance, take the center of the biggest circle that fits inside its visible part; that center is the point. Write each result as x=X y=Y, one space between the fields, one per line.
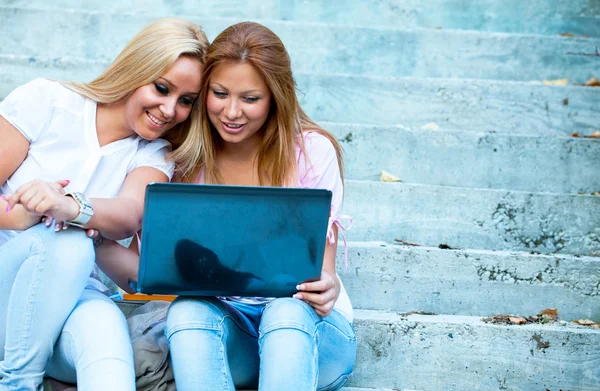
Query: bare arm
x=322 y=294
x=120 y=264
x=116 y=218
x=13 y=151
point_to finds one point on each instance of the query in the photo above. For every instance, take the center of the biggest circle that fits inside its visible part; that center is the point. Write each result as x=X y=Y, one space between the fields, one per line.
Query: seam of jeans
x=40 y=250
x=351 y=337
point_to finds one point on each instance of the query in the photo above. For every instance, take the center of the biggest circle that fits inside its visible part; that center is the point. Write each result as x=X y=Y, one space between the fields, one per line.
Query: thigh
x=201 y=332
x=337 y=351
x=94 y=341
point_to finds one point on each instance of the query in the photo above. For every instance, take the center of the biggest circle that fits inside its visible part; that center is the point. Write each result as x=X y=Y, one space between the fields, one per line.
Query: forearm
x=116 y=218
x=120 y=264
x=17 y=218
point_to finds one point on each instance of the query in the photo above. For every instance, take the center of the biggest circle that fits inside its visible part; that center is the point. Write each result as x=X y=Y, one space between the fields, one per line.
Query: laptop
x=214 y=240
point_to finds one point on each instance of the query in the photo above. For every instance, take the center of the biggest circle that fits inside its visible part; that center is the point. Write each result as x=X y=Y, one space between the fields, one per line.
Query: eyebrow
x=173 y=85
x=243 y=92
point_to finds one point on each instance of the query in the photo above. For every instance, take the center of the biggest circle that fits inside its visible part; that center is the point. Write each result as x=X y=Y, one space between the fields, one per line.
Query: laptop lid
x=213 y=240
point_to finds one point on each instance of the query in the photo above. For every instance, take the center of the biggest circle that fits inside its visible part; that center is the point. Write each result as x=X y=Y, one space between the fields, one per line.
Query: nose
x=167 y=108
x=232 y=110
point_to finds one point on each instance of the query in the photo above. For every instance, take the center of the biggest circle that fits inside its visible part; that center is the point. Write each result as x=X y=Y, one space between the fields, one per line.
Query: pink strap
x=337 y=220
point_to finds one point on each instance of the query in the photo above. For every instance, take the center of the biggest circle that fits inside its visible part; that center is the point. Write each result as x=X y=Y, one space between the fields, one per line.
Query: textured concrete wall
x=539 y=17
x=326 y=48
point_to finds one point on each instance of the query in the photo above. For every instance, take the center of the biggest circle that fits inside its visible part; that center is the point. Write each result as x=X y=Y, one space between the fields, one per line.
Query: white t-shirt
x=60 y=125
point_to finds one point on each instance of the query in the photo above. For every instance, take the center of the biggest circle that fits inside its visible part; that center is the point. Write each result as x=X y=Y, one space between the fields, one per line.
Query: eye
x=186 y=101
x=162 y=89
x=219 y=94
x=250 y=99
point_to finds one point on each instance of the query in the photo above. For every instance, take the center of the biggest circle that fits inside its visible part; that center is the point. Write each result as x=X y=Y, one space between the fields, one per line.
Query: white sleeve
x=29 y=107
x=153 y=154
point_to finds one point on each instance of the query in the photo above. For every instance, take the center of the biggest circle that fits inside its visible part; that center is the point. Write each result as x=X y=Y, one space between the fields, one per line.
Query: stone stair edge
x=357 y=244
x=472 y=189
x=196 y=18
x=77 y=61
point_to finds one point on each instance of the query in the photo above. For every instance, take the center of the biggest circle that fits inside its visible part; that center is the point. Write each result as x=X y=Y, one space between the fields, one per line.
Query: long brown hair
x=258 y=46
x=149 y=55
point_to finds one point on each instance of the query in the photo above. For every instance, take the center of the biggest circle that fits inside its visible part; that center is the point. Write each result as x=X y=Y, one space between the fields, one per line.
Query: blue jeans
x=284 y=345
x=43 y=275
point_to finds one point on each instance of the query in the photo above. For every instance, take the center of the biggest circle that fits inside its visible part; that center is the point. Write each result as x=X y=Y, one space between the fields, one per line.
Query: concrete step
x=471 y=105
x=321 y=48
x=470 y=159
x=473 y=218
x=462 y=353
x=392 y=277
x=444 y=352
x=580 y=17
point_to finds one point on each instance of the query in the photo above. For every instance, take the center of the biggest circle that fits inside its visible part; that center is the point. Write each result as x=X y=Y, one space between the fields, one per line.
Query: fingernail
x=68 y=181
x=297 y=296
x=90 y=234
x=4 y=197
x=65 y=227
x=7 y=208
x=300 y=287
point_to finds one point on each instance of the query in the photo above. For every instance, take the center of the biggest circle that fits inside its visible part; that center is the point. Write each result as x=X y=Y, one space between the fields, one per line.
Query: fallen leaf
x=595 y=134
x=575 y=134
x=557 y=82
x=567 y=34
x=517 y=320
x=595 y=193
x=431 y=126
x=585 y=322
x=550 y=313
x=593 y=82
x=387 y=177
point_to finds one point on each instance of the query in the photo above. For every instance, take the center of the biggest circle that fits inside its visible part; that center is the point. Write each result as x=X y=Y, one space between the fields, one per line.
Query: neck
x=245 y=151
x=110 y=123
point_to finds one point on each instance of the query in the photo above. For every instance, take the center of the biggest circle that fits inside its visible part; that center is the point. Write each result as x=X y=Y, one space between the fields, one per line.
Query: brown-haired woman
x=255 y=133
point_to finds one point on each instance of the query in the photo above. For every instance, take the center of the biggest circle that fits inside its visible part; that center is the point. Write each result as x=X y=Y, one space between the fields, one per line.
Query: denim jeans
x=283 y=345
x=43 y=275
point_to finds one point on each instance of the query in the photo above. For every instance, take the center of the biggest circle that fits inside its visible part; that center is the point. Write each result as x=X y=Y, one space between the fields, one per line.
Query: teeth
x=156 y=120
x=235 y=126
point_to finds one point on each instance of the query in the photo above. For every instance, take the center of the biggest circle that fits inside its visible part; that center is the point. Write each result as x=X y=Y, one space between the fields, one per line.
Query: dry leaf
x=567 y=34
x=595 y=134
x=517 y=320
x=585 y=322
x=387 y=177
x=550 y=313
x=557 y=82
x=593 y=82
x=575 y=134
x=431 y=126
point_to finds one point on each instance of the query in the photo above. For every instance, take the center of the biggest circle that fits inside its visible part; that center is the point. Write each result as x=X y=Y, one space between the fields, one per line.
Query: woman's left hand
x=321 y=294
x=45 y=198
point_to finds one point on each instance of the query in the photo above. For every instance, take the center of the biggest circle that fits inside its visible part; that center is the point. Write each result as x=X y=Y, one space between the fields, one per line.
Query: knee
x=67 y=249
x=288 y=313
x=100 y=322
x=195 y=313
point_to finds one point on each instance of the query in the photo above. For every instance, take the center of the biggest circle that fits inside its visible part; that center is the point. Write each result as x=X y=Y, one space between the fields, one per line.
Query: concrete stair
x=449 y=96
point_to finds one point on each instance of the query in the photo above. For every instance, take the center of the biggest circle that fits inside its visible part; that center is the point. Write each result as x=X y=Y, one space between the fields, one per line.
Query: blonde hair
x=258 y=46
x=149 y=55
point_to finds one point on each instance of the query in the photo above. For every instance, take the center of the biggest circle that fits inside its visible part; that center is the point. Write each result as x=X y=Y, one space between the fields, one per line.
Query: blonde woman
x=83 y=154
x=256 y=134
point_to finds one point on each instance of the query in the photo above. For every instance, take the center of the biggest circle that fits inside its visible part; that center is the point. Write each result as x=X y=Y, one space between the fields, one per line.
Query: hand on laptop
x=321 y=294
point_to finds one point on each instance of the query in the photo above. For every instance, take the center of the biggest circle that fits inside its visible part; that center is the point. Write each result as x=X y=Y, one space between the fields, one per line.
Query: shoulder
x=317 y=146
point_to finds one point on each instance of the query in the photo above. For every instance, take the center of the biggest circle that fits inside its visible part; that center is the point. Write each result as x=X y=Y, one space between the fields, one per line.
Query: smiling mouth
x=232 y=128
x=155 y=120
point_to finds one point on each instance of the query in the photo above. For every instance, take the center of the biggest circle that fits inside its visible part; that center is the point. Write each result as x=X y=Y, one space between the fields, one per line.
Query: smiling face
x=238 y=102
x=154 y=109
